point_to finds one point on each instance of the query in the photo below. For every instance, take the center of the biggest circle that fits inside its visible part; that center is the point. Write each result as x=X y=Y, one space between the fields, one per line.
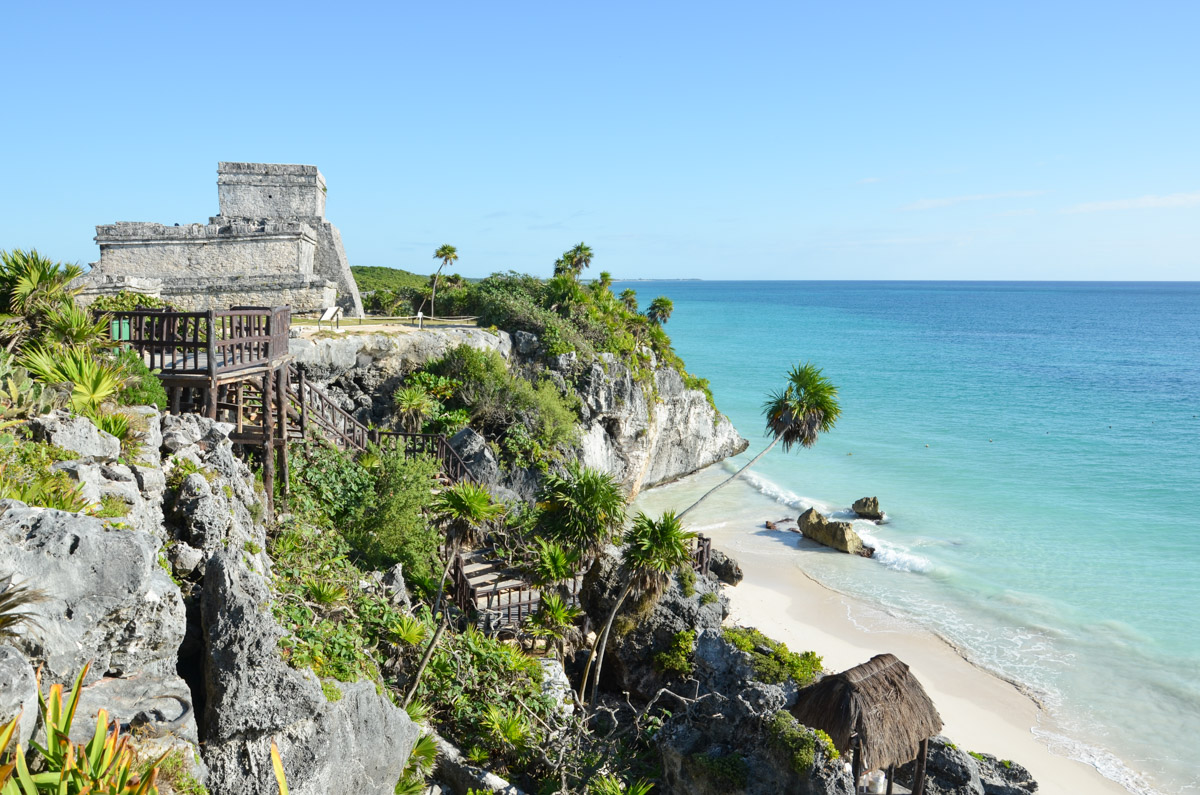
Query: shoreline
x=981 y=711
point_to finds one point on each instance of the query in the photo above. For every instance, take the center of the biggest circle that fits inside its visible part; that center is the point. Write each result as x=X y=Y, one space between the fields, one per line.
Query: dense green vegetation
x=371 y=278
x=777 y=663
x=797 y=742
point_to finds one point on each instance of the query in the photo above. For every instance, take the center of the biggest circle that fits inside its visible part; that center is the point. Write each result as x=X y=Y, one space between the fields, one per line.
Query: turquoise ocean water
x=1036 y=447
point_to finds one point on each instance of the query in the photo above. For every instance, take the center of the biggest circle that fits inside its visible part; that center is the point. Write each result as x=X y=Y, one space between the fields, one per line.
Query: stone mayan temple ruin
x=270 y=246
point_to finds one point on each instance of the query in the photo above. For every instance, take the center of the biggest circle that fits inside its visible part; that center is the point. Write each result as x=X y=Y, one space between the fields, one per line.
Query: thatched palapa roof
x=879 y=700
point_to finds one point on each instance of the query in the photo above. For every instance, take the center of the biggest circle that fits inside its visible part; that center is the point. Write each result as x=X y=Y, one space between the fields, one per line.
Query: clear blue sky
x=865 y=140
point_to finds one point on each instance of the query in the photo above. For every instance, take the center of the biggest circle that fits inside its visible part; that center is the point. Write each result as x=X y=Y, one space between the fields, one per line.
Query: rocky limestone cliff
x=643 y=433
x=170 y=604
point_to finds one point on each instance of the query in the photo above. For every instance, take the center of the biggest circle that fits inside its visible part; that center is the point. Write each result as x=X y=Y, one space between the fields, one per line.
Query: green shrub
x=142 y=385
x=687 y=581
x=125 y=301
x=777 y=664
x=678 y=658
x=112 y=507
x=396 y=529
x=708 y=597
x=533 y=419
x=328 y=482
x=26 y=475
x=792 y=739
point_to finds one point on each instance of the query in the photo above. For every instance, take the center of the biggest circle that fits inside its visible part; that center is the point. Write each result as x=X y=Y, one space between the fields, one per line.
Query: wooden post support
x=211 y=405
x=919 y=774
x=268 y=448
x=856 y=768
x=891 y=778
x=281 y=405
x=241 y=406
x=303 y=404
x=175 y=399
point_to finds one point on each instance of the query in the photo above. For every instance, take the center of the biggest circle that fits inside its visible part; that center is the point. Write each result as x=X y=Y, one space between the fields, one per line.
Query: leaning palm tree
x=446 y=254
x=583 y=510
x=653 y=549
x=565 y=265
x=806 y=407
x=660 y=310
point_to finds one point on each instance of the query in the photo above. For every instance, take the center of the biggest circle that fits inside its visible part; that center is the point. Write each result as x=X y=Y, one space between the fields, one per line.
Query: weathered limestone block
x=360 y=743
x=18 y=692
x=867 y=508
x=646 y=443
x=75 y=433
x=108 y=601
x=838 y=535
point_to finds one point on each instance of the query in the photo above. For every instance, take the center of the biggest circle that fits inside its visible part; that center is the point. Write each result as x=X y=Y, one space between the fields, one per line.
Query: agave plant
x=553 y=563
x=21 y=396
x=106 y=765
x=45 y=490
x=407 y=629
x=93 y=381
x=325 y=593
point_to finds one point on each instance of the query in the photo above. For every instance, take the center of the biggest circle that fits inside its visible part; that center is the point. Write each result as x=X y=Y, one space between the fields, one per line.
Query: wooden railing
x=204 y=343
x=341 y=428
x=702 y=554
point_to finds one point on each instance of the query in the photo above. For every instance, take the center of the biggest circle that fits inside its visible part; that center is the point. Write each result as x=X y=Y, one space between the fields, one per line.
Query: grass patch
x=708 y=597
x=687 y=581
x=112 y=507
x=333 y=693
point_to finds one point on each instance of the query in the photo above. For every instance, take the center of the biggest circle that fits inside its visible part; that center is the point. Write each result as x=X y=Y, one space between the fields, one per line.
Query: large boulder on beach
x=726 y=569
x=838 y=535
x=867 y=508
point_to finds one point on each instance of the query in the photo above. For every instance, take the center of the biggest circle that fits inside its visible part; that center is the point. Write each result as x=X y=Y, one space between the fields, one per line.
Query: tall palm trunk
x=602 y=643
x=412 y=691
x=724 y=482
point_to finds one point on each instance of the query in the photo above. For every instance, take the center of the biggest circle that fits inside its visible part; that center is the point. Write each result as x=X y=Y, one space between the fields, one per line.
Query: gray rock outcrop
x=948 y=771
x=725 y=568
x=77 y=434
x=867 y=508
x=629 y=661
x=377 y=361
x=359 y=743
x=723 y=743
x=18 y=693
x=837 y=535
x=109 y=602
x=646 y=437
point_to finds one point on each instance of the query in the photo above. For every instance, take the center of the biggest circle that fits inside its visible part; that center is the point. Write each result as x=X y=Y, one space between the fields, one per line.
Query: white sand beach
x=981 y=711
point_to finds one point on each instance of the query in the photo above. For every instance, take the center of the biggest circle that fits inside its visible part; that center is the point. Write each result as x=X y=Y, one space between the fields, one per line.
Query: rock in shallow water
x=867 y=508
x=837 y=535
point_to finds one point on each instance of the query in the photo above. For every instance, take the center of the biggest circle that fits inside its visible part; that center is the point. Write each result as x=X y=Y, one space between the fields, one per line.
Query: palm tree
x=660 y=310
x=653 y=549
x=565 y=265
x=806 y=407
x=31 y=283
x=605 y=280
x=466 y=507
x=414 y=405
x=563 y=292
x=581 y=257
x=629 y=298
x=584 y=510
x=555 y=616
x=446 y=254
